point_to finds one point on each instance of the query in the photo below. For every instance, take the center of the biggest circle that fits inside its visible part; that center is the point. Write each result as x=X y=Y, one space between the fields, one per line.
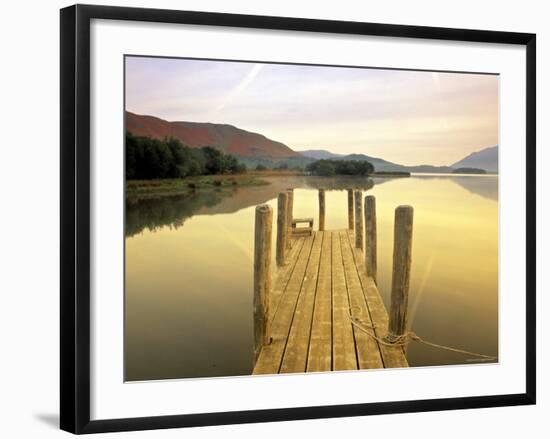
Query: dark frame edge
x=531 y=217
x=75 y=219
x=68 y=388
x=303 y=413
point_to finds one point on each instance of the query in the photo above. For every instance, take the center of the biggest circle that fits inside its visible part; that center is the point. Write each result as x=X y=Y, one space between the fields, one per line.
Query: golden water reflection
x=188 y=295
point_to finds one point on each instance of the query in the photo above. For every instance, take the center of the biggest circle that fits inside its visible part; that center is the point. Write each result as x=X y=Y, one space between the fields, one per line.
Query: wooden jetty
x=323 y=311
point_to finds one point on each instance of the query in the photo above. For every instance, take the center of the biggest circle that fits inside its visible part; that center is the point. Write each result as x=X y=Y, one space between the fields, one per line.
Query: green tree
x=148 y=158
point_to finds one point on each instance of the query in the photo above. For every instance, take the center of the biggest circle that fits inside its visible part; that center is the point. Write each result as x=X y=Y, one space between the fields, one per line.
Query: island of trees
x=340 y=167
x=148 y=158
x=469 y=171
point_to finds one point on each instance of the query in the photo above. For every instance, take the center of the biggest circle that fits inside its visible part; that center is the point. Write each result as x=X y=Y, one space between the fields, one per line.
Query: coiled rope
x=403 y=340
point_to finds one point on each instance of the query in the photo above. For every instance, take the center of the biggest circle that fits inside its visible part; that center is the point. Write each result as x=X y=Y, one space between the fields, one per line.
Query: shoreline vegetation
x=167 y=167
x=176 y=186
x=392 y=174
x=473 y=171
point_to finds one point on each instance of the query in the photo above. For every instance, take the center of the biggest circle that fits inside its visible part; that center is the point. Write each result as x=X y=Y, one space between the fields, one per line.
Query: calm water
x=189 y=270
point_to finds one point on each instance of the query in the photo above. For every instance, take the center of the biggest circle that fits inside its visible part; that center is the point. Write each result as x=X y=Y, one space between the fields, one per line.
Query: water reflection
x=152 y=213
x=479 y=186
x=483 y=185
x=188 y=301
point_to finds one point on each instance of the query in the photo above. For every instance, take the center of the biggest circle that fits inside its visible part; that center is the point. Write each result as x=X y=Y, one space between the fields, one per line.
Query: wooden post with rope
x=321 y=210
x=330 y=314
x=350 y=209
x=358 y=220
x=262 y=276
x=282 y=228
x=290 y=216
x=402 y=249
x=370 y=237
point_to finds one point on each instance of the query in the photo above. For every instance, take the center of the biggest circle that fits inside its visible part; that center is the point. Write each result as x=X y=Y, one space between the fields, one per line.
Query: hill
x=254 y=149
x=320 y=154
x=227 y=138
x=486 y=159
x=380 y=165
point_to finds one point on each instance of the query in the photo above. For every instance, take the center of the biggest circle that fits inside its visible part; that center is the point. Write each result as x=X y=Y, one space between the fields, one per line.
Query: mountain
x=380 y=165
x=227 y=138
x=486 y=159
x=255 y=149
x=320 y=154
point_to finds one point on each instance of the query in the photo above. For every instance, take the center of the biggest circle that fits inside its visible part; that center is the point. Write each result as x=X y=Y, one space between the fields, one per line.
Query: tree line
x=148 y=158
x=340 y=167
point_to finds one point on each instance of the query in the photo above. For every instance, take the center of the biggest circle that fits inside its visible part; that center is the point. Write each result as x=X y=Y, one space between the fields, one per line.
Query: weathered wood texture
x=402 y=250
x=371 y=262
x=262 y=276
x=392 y=356
x=350 y=209
x=290 y=214
x=321 y=209
x=282 y=228
x=322 y=285
x=358 y=220
x=343 y=345
x=302 y=231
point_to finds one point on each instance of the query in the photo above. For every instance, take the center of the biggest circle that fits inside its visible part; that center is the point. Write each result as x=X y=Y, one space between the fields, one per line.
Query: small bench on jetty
x=322 y=310
x=300 y=231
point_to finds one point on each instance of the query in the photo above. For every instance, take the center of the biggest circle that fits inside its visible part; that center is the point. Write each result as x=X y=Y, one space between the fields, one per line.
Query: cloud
x=409 y=117
x=241 y=86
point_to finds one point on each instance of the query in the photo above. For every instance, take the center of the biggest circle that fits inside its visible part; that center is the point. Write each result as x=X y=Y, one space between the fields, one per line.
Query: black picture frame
x=75 y=217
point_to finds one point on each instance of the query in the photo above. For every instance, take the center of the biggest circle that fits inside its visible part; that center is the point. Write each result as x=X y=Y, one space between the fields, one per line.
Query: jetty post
x=321 y=209
x=290 y=217
x=282 y=228
x=358 y=220
x=262 y=276
x=370 y=237
x=350 y=209
x=402 y=249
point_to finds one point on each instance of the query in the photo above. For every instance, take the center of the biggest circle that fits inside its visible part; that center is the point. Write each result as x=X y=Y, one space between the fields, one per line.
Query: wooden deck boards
x=323 y=283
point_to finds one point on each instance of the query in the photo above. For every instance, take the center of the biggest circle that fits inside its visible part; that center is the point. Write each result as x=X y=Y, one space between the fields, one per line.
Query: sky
x=407 y=117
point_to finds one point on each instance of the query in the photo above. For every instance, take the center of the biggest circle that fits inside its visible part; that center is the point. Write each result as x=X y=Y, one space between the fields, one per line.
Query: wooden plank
x=322 y=209
x=368 y=352
x=350 y=209
x=262 y=276
x=295 y=355
x=269 y=361
x=290 y=213
x=302 y=220
x=371 y=264
x=283 y=275
x=358 y=220
x=343 y=344
x=392 y=356
x=401 y=272
x=320 y=344
x=282 y=228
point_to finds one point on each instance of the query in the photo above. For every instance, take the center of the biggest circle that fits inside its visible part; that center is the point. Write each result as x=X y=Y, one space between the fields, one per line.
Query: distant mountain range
x=253 y=148
x=380 y=165
x=321 y=154
x=227 y=138
x=485 y=159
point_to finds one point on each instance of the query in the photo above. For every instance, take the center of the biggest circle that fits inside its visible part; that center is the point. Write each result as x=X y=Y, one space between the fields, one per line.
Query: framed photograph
x=268 y=218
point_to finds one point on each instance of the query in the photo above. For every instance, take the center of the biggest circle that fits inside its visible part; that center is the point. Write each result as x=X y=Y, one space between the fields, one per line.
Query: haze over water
x=189 y=270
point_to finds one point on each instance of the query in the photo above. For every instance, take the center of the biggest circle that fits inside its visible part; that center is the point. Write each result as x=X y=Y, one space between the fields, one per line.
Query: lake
x=189 y=269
